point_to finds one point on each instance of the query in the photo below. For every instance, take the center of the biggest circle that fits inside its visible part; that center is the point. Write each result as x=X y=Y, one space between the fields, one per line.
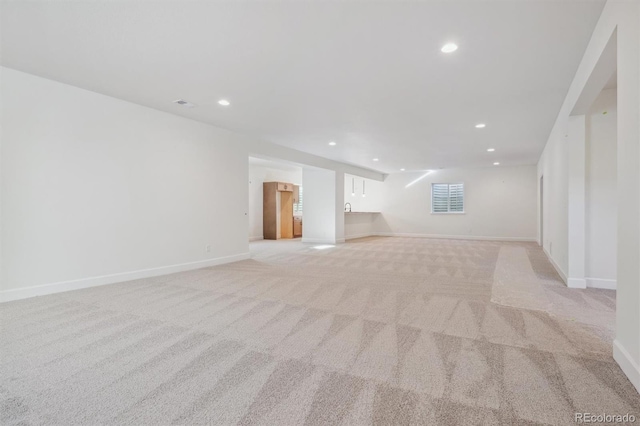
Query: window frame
x=449 y=184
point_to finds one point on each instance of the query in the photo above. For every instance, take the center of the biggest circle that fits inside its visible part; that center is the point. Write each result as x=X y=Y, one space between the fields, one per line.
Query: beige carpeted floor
x=376 y=331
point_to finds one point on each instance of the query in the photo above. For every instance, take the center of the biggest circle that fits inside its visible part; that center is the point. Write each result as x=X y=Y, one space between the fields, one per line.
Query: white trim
x=453 y=237
x=59 y=287
x=627 y=364
x=366 y=234
x=606 y=284
x=577 y=283
x=556 y=266
x=318 y=241
x=256 y=238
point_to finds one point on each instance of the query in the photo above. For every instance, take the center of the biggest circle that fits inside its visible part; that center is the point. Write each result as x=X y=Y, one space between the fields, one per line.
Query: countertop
x=361 y=212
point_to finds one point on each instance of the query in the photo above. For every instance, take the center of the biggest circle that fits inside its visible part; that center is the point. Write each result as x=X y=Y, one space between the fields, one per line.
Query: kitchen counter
x=361 y=212
x=360 y=224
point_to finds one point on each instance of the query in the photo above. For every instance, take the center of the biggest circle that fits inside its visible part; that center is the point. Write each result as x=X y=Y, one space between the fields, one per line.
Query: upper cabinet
x=285 y=187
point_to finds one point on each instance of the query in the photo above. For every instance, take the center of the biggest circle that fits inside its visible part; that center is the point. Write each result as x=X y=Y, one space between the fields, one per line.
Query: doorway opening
x=275 y=200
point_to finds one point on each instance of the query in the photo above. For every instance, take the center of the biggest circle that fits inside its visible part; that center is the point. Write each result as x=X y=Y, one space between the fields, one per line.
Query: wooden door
x=269 y=211
x=286 y=214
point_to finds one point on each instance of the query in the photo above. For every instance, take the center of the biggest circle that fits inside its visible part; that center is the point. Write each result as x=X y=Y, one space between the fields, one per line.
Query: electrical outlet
x=208 y=248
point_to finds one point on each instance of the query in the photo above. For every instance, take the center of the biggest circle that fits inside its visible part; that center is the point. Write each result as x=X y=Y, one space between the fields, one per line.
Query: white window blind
x=447 y=198
x=297 y=207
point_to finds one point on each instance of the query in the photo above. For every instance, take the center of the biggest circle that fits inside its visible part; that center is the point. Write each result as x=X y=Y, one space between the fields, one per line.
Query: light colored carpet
x=524 y=278
x=377 y=331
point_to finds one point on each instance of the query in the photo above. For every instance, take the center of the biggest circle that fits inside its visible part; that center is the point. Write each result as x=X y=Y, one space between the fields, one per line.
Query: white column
x=319 y=212
x=626 y=346
x=577 y=190
x=339 y=207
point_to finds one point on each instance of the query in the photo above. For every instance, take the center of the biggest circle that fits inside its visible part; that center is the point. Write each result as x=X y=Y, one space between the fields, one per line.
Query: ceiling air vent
x=184 y=103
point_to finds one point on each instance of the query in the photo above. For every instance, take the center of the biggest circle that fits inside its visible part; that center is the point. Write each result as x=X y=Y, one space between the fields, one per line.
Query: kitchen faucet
x=345 y=207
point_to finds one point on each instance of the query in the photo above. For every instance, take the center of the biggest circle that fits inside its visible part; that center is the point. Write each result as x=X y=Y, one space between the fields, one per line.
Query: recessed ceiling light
x=449 y=47
x=224 y=102
x=332 y=143
x=481 y=126
x=375 y=159
x=491 y=149
x=402 y=170
x=496 y=164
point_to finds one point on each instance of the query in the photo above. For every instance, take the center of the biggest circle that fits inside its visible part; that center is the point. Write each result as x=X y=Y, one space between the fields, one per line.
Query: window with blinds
x=447 y=198
x=297 y=207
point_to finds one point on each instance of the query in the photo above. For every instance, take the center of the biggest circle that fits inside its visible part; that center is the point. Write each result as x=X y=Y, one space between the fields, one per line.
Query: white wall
x=95 y=190
x=98 y=190
x=601 y=191
x=257 y=176
x=500 y=203
x=374 y=193
x=553 y=167
x=619 y=19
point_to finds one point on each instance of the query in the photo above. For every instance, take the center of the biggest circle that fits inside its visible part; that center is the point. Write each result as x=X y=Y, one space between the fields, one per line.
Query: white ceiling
x=368 y=75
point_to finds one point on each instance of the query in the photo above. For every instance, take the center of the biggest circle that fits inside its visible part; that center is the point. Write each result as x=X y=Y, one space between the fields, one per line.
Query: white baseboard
x=59 y=287
x=256 y=238
x=606 y=284
x=591 y=283
x=577 y=283
x=455 y=237
x=627 y=364
x=318 y=241
x=354 y=236
x=555 y=266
